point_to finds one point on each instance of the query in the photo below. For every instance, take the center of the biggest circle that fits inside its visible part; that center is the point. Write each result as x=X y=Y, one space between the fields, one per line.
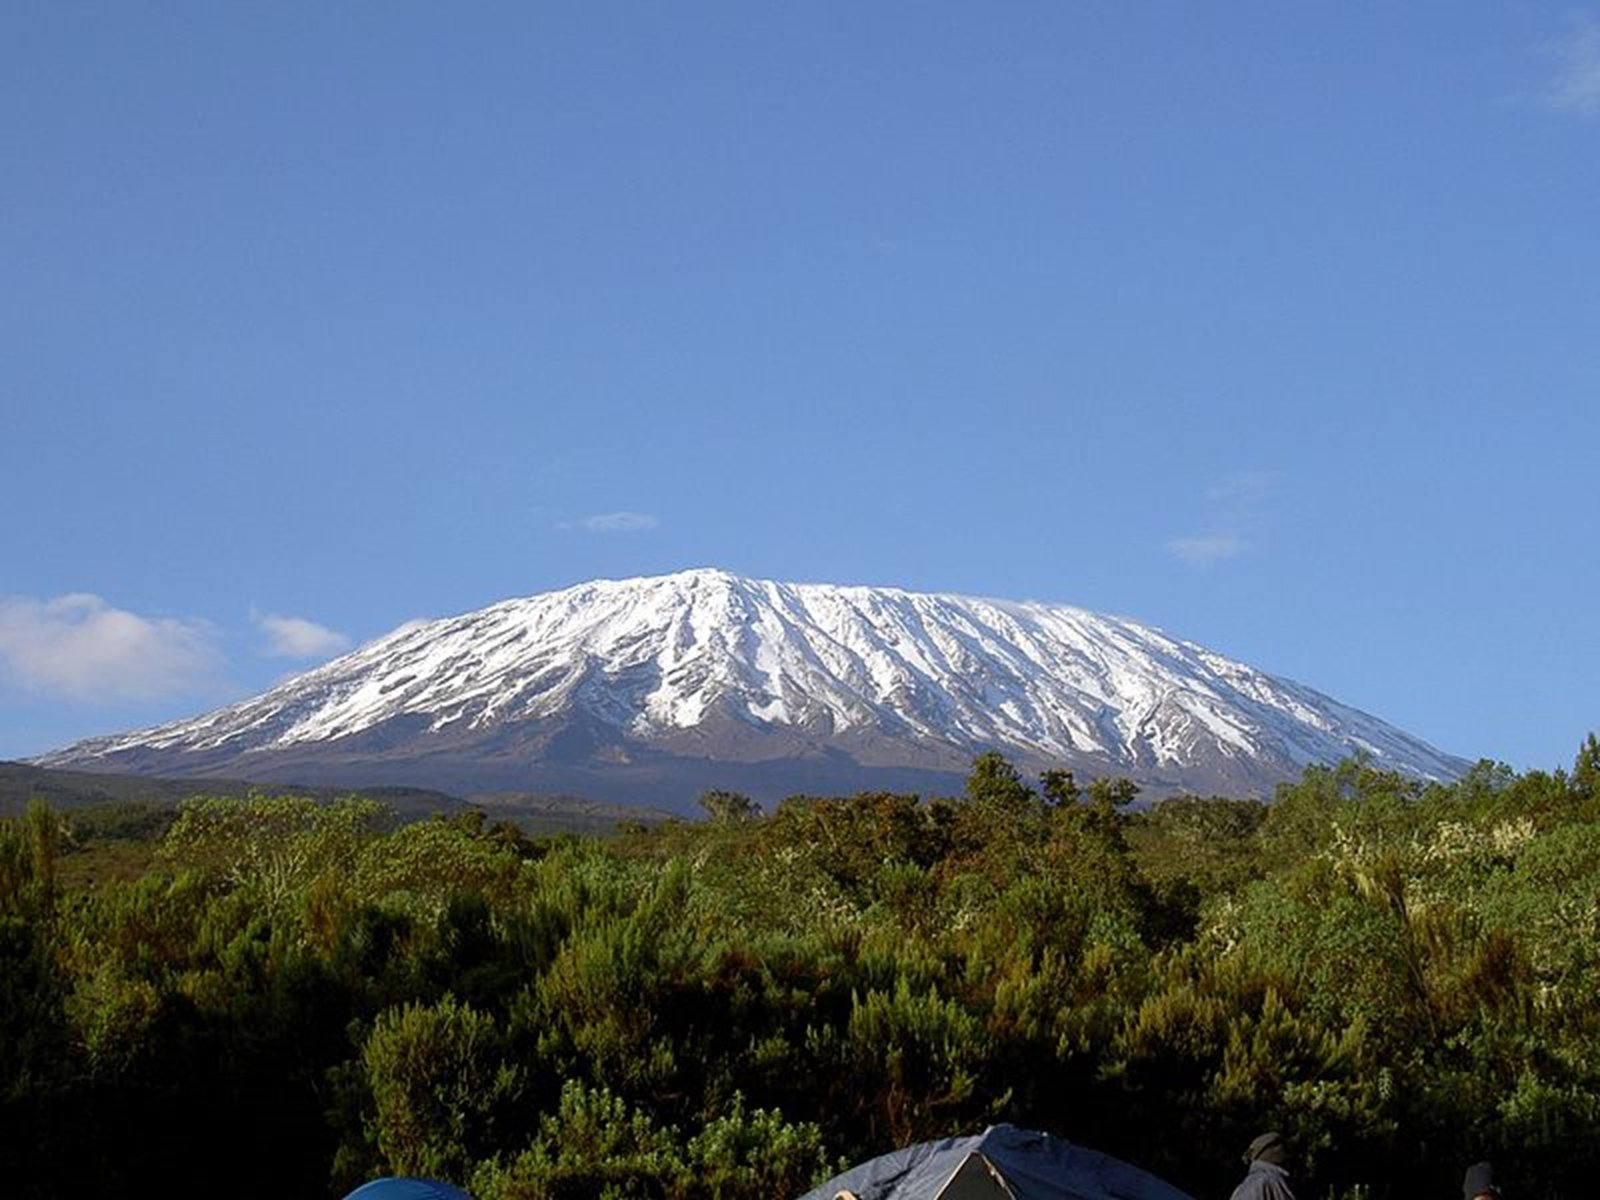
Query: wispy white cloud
x=296 y=637
x=1243 y=490
x=1575 y=86
x=1230 y=519
x=79 y=647
x=1208 y=548
x=614 y=522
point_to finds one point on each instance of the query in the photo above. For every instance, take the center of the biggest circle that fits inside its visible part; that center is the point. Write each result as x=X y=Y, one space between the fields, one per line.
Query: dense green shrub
x=1399 y=976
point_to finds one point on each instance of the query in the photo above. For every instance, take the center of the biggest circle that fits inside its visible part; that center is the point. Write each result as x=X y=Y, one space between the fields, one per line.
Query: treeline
x=279 y=997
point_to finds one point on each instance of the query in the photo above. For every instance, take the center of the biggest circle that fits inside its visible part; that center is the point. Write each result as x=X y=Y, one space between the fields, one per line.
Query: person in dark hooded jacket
x=1267 y=1178
x=1479 y=1183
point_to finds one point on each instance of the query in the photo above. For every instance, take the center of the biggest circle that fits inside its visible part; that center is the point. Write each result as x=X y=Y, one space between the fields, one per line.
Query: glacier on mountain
x=712 y=664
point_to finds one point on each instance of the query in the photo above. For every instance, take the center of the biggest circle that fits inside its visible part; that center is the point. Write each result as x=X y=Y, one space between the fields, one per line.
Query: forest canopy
x=296 y=996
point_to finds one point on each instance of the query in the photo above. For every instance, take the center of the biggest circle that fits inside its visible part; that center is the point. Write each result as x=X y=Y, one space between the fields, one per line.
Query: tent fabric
x=1034 y=1166
x=976 y=1179
x=407 y=1189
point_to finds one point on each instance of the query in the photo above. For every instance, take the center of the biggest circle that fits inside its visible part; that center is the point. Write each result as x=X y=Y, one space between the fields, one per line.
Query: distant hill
x=536 y=814
x=67 y=790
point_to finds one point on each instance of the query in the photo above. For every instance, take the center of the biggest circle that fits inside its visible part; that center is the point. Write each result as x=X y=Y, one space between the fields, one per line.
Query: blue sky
x=1277 y=326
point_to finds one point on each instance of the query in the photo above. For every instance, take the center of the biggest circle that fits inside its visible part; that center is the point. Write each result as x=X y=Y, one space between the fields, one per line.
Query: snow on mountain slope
x=716 y=666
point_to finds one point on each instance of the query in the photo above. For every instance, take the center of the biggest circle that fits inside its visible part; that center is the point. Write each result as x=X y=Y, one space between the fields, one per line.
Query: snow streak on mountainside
x=706 y=665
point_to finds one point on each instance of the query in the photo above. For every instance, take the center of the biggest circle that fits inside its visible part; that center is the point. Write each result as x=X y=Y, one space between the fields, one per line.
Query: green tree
x=1586 y=769
x=729 y=808
x=439 y=1084
x=1059 y=786
x=993 y=782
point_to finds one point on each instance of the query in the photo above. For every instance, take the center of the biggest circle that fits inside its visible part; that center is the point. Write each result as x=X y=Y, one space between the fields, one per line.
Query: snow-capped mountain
x=655 y=689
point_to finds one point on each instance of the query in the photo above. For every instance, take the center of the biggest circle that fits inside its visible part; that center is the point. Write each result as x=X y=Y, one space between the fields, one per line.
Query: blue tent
x=407 y=1189
x=1001 y=1163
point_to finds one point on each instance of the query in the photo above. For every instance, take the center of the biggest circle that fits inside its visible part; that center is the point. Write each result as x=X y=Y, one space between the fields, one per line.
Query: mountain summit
x=656 y=689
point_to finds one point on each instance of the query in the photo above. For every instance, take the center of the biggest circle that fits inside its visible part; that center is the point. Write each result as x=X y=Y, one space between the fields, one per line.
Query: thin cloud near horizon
x=297 y=637
x=1205 y=549
x=613 y=522
x=1232 y=514
x=81 y=648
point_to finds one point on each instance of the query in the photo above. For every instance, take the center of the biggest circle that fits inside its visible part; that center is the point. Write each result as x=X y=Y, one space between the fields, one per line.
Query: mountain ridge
x=645 y=682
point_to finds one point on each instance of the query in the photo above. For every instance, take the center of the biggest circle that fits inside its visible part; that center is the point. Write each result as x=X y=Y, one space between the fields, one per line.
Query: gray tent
x=1001 y=1163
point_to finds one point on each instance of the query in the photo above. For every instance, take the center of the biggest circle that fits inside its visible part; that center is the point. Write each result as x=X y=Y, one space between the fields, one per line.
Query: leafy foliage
x=1398 y=975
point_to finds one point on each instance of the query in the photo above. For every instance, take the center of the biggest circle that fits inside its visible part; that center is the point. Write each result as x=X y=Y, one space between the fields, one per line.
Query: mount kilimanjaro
x=654 y=690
